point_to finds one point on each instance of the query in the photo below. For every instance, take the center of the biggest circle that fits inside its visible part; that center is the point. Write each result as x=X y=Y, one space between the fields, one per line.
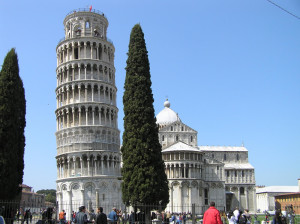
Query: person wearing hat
x=113 y=216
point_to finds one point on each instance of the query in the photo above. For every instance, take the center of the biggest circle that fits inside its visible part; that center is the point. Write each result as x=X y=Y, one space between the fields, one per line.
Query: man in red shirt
x=212 y=215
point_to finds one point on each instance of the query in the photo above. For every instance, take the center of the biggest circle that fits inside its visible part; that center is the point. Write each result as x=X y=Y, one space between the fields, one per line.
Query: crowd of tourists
x=115 y=216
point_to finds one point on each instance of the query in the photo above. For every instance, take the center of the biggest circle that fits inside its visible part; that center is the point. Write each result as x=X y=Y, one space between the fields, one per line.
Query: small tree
x=144 y=178
x=12 y=124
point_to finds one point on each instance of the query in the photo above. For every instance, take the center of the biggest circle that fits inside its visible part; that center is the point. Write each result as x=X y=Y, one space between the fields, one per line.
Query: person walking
x=113 y=216
x=101 y=217
x=231 y=217
x=131 y=218
x=27 y=215
x=212 y=215
x=81 y=217
x=277 y=218
x=92 y=215
x=62 y=217
x=236 y=214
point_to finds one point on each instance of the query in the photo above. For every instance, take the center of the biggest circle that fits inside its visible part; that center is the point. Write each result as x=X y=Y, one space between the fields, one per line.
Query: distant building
x=200 y=174
x=290 y=200
x=31 y=200
x=265 y=196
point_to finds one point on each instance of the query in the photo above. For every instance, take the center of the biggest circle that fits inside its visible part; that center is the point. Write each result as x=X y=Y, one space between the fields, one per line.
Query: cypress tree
x=12 y=124
x=144 y=178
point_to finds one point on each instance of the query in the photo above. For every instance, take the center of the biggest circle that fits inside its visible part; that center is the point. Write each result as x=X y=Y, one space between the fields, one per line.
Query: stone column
x=79 y=51
x=79 y=116
x=73 y=114
x=67 y=49
x=73 y=93
x=81 y=166
x=88 y=166
x=74 y=163
x=100 y=116
x=73 y=53
x=97 y=197
x=85 y=92
x=108 y=169
x=60 y=170
x=86 y=115
x=68 y=74
x=109 y=117
x=172 y=198
x=82 y=195
x=63 y=115
x=93 y=111
x=63 y=171
x=79 y=92
x=180 y=197
x=99 y=93
x=95 y=164
x=70 y=203
x=102 y=165
x=85 y=72
x=92 y=92
x=68 y=161
x=67 y=113
x=73 y=72
x=84 y=46
x=57 y=166
x=239 y=197
x=246 y=196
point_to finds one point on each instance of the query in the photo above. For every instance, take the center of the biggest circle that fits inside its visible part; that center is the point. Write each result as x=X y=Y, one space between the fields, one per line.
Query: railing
x=87 y=10
x=107 y=39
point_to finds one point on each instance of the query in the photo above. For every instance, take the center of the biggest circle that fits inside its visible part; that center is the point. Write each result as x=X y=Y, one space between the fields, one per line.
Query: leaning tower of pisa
x=87 y=136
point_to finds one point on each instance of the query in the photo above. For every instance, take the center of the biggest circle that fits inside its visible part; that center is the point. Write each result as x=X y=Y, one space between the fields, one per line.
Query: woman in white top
x=231 y=218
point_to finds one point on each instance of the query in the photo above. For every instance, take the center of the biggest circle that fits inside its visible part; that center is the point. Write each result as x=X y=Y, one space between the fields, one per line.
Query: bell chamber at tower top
x=85 y=23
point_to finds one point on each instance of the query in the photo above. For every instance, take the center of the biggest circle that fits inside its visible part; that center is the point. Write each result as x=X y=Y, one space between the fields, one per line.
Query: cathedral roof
x=223 y=148
x=167 y=115
x=180 y=146
x=238 y=166
x=278 y=189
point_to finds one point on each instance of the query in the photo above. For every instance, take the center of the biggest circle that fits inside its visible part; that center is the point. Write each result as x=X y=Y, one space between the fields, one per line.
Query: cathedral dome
x=167 y=115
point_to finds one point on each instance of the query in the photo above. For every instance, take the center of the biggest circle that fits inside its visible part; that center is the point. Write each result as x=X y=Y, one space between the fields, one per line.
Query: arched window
x=182 y=128
x=191 y=138
x=87 y=24
x=171 y=128
x=213 y=156
x=243 y=173
x=225 y=158
x=235 y=173
x=176 y=138
x=237 y=157
x=163 y=138
x=242 y=191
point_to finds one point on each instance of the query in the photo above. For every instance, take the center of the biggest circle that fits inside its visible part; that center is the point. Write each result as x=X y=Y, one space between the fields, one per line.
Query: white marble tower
x=87 y=136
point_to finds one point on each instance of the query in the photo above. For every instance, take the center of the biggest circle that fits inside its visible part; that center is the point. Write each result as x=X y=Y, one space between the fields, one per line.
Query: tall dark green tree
x=144 y=178
x=12 y=124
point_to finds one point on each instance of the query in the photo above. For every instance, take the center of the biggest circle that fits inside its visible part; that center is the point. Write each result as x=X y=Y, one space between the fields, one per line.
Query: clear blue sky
x=231 y=70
